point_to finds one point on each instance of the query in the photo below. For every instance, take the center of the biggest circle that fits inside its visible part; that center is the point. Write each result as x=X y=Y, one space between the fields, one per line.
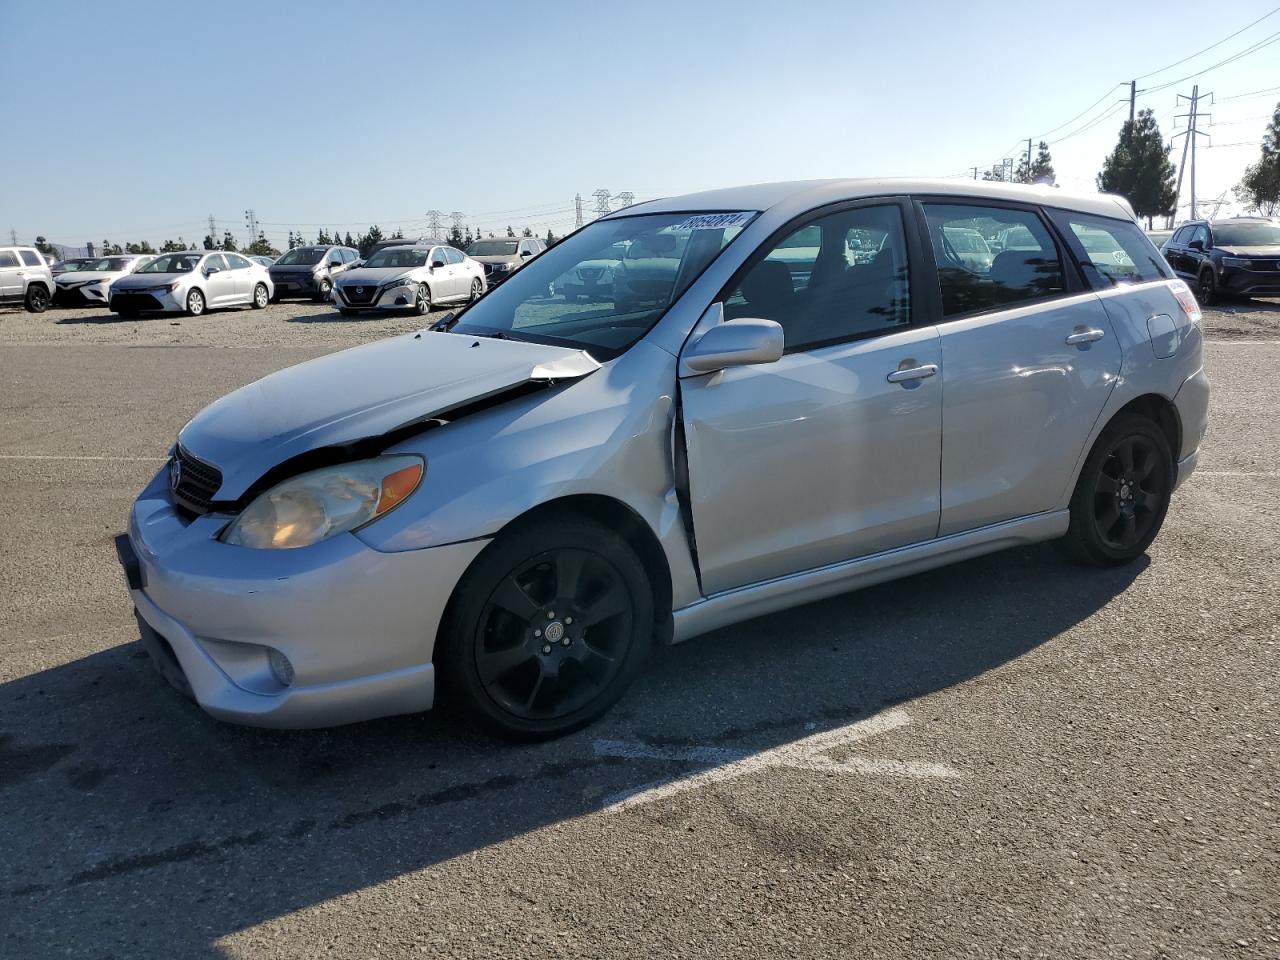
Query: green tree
x=228 y=241
x=1040 y=170
x=526 y=232
x=1259 y=188
x=261 y=247
x=455 y=237
x=1139 y=169
x=209 y=243
x=142 y=247
x=551 y=238
x=45 y=247
x=110 y=249
x=510 y=232
x=368 y=240
x=173 y=246
x=322 y=237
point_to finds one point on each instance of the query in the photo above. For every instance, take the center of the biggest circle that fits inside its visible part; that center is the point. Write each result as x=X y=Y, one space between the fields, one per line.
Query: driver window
x=215 y=263
x=842 y=277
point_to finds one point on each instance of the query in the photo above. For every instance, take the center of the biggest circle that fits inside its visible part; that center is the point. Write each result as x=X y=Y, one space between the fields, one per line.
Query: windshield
x=1246 y=234
x=492 y=248
x=173 y=263
x=543 y=301
x=109 y=264
x=66 y=266
x=302 y=257
x=398 y=257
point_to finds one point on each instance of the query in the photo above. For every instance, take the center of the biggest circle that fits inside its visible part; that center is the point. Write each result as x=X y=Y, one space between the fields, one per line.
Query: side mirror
x=527 y=253
x=1196 y=245
x=436 y=263
x=736 y=343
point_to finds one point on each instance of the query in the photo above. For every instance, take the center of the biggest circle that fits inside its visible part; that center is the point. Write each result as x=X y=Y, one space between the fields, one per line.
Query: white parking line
x=1234 y=473
x=68 y=456
x=805 y=754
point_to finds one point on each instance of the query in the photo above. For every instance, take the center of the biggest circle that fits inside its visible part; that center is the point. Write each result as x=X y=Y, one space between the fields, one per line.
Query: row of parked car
x=1230 y=257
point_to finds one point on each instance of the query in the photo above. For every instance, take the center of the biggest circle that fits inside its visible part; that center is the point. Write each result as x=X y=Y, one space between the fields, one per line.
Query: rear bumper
x=355 y=626
x=306 y=285
x=1192 y=403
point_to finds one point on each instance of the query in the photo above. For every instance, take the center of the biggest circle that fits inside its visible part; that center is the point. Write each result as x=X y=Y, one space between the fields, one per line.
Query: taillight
x=1186 y=300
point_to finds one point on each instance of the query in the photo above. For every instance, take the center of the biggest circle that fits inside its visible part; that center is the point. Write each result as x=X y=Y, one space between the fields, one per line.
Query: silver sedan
x=191 y=282
x=515 y=505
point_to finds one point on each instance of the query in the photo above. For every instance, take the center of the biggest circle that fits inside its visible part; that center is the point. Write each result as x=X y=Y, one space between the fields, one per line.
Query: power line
x=1087 y=109
x=1210 y=47
x=1264 y=42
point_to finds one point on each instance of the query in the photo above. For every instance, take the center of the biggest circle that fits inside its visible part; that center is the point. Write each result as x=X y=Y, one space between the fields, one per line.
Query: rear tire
x=37 y=298
x=260 y=297
x=1122 y=495
x=547 y=629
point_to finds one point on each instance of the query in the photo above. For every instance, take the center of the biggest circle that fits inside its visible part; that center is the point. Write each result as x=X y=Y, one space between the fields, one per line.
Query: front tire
x=37 y=298
x=1122 y=495
x=1207 y=289
x=195 y=303
x=260 y=297
x=422 y=302
x=547 y=629
x=326 y=290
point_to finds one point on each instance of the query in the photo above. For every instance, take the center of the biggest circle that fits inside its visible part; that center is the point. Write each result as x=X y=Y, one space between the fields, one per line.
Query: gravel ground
x=1044 y=761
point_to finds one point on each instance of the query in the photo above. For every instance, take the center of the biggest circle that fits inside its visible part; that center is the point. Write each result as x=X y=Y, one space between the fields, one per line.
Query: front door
x=833 y=451
x=1030 y=358
x=219 y=284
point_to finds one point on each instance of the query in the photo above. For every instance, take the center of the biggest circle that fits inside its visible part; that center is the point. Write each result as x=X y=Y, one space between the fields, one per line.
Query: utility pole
x=975 y=173
x=1133 y=98
x=251 y=223
x=602 y=201
x=213 y=230
x=1028 y=156
x=433 y=223
x=1193 y=116
x=13 y=236
x=577 y=211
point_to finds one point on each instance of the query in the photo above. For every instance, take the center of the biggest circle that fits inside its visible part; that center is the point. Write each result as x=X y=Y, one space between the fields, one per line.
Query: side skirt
x=758 y=599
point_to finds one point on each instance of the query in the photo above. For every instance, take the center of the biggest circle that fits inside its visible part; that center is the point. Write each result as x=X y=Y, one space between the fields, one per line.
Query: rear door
x=831 y=452
x=10 y=276
x=1030 y=360
x=242 y=275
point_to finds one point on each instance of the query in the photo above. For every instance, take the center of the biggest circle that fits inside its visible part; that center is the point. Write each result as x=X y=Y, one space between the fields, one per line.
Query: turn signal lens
x=1186 y=300
x=397 y=486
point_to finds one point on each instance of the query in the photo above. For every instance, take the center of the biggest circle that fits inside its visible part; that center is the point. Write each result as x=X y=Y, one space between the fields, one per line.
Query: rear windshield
x=1246 y=235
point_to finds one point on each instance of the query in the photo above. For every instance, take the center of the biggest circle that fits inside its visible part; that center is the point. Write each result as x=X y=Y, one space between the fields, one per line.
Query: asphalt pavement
x=1010 y=757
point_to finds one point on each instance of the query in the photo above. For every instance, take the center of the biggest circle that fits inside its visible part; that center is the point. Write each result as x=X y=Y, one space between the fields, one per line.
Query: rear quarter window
x=1111 y=252
x=31 y=258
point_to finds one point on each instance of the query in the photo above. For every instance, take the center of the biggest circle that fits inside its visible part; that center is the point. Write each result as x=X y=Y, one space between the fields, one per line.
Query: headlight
x=503 y=267
x=314 y=506
x=1235 y=262
x=400 y=282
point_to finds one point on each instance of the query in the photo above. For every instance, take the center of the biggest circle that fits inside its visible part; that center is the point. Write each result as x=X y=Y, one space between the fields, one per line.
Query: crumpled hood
x=360 y=393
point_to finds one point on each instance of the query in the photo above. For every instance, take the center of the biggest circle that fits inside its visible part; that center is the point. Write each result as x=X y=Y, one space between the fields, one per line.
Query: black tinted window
x=1112 y=251
x=841 y=277
x=1021 y=261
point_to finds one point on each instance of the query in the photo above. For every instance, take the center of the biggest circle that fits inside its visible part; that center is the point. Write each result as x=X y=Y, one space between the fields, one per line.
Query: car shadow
x=148 y=828
x=109 y=317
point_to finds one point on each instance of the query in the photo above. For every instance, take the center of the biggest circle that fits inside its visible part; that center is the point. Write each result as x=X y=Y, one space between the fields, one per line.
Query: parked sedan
x=91 y=284
x=311 y=271
x=417 y=278
x=191 y=282
x=516 y=505
x=1239 y=257
x=502 y=256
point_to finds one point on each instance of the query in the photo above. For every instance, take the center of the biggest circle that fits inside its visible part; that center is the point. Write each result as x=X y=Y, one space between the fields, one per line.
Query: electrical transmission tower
x=457 y=217
x=213 y=231
x=602 y=201
x=625 y=199
x=433 y=223
x=1193 y=116
x=251 y=223
x=577 y=211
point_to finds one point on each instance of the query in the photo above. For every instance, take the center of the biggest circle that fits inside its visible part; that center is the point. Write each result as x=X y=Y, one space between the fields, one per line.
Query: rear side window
x=453 y=256
x=1111 y=251
x=31 y=258
x=1020 y=262
x=8 y=258
x=237 y=262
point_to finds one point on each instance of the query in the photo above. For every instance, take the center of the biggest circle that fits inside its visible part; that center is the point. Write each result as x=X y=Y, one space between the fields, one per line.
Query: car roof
x=799 y=196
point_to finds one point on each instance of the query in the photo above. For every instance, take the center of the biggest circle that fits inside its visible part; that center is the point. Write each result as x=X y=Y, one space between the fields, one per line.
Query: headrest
x=768 y=285
x=1019 y=270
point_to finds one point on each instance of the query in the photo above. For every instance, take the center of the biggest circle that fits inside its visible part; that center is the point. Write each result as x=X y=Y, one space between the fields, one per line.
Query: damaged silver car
x=511 y=507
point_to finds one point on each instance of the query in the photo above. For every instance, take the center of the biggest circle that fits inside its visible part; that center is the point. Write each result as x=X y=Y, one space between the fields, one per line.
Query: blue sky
x=157 y=115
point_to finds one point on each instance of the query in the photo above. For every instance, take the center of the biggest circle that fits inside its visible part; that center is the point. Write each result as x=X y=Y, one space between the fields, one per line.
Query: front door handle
x=1083 y=335
x=921 y=372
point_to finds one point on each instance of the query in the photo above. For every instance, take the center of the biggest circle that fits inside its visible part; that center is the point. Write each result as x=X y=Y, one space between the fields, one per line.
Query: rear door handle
x=922 y=372
x=1084 y=335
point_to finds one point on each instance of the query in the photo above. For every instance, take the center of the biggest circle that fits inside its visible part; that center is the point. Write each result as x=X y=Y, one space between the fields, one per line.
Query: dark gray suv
x=310 y=271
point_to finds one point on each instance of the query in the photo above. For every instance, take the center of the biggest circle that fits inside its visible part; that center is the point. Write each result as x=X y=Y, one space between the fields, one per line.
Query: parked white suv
x=25 y=278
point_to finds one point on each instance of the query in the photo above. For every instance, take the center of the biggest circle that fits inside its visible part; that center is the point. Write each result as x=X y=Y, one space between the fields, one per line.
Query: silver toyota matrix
x=788 y=391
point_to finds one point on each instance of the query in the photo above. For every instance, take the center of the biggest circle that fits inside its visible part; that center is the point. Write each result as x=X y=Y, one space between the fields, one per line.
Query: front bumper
x=1242 y=282
x=149 y=301
x=295 y=285
x=394 y=298
x=356 y=625
x=88 y=295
